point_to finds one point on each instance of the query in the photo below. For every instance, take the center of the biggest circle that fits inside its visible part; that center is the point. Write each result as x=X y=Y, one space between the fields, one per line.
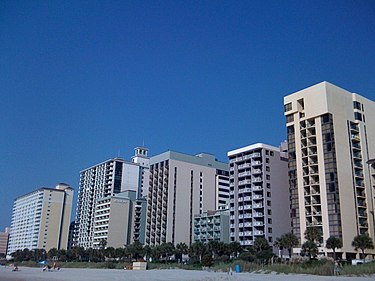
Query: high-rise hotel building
x=259 y=194
x=105 y=180
x=331 y=137
x=41 y=219
x=182 y=186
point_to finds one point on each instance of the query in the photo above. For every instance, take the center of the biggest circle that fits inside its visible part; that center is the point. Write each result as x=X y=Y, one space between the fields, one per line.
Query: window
x=357 y=105
x=290 y=129
x=268 y=168
x=358 y=116
x=288 y=107
x=267 y=160
x=268 y=177
x=271 y=153
x=289 y=118
x=325 y=118
x=301 y=104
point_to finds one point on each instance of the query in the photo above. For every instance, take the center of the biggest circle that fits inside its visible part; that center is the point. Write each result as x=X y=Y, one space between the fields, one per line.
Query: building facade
x=119 y=220
x=4 y=238
x=181 y=186
x=259 y=198
x=106 y=180
x=212 y=226
x=41 y=219
x=331 y=135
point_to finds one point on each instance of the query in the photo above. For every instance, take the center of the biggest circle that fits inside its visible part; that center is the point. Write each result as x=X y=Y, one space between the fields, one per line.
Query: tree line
x=204 y=253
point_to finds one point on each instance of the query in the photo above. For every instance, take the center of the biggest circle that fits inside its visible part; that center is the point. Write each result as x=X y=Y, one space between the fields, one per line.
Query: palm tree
x=310 y=247
x=181 y=249
x=261 y=244
x=313 y=234
x=362 y=242
x=234 y=249
x=263 y=249
x=288 y=241
x=197 y=249
x=333 y=243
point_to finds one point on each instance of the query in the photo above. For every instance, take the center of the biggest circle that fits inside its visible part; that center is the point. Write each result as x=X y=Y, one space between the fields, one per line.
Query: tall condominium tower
x=41 y=219
x=101 y=181
x=259 y=197
x=182 y=186
x=105 y=180
x=331 y=137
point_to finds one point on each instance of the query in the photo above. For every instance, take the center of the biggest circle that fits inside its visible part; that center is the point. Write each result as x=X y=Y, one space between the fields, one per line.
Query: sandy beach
x=70 y=274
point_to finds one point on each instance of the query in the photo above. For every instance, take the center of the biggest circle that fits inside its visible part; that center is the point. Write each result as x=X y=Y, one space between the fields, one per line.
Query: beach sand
x=70 y=274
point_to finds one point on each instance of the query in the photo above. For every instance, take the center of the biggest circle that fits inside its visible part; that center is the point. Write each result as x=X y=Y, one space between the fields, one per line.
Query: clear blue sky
x=82 y=81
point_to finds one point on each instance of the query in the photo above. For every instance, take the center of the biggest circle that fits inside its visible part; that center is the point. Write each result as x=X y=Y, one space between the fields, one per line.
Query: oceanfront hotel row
x=322 y=176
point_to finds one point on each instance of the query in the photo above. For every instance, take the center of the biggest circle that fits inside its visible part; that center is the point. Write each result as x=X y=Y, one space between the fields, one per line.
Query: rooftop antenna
x=143 y=143
x=118 y=153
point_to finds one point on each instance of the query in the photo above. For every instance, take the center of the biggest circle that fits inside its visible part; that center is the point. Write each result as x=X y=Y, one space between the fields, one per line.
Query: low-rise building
x=4 y=238
x=212 y=226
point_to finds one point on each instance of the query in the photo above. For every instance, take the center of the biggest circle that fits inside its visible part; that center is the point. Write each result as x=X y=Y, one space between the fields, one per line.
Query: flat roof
x=253 y=147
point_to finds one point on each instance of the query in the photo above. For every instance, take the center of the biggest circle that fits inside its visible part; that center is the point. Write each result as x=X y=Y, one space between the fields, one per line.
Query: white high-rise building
x=41 y=219
x=259 y=196
x=105 y=180
x=331 y=137
x=182 y=186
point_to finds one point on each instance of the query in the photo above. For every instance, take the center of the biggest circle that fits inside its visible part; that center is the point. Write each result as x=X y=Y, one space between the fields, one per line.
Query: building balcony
x=244 y=166
x=257 y=187
x=244 y=182
x=247 y=207
x=244 y=190
x=258 y=179
x=258 y=215
x=244 y=174
x=256 y=171
x=246 y=243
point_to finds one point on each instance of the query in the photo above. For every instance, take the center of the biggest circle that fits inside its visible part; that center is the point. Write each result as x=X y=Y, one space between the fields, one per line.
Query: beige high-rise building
x=119 y=220
x=331 y=137
x=182 y=186
x=41 y=219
